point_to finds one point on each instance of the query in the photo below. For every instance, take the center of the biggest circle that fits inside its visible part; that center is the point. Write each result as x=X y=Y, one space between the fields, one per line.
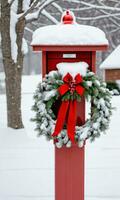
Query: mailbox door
x=53 y=58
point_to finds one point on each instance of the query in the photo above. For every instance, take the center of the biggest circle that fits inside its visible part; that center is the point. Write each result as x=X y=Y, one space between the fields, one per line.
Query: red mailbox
x=69 y=162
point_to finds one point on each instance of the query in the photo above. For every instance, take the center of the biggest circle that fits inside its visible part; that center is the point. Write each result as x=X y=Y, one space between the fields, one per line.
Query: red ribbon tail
x=72 y=120
x=61 y=118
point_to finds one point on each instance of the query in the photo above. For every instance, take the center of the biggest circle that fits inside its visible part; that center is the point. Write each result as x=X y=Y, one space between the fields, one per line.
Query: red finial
x=67 y=18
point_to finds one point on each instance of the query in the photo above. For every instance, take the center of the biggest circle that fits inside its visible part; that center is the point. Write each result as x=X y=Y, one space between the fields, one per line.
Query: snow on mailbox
x=68 y=69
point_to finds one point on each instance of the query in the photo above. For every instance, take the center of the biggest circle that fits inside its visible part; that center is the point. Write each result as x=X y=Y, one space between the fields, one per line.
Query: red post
x=69 y=173
x=69 y=166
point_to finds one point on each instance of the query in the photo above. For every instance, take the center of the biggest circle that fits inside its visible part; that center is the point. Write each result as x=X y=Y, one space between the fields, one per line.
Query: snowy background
x=27 y=164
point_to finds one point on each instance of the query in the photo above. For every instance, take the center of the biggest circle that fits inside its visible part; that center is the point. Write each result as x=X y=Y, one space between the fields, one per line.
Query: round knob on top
x=67 y=18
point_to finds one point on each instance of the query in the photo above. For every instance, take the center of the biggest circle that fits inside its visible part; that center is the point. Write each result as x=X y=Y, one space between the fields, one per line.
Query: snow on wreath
x=62 y=89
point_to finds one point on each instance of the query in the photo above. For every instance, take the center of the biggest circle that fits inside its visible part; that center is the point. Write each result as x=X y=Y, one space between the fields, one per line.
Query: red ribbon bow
x=68 y=107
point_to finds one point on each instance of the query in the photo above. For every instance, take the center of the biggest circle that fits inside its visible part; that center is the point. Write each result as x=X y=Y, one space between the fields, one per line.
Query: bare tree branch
x=11 y=2
x=29 y=30
x=38 y=5
x=59 y=8
x=49 y=16
x=34 y=3
x=80 y=9
x=111 y=19
x=98 y=17
x=73 y=1
x=100 y=7
x=115 y=30
x=34 y=16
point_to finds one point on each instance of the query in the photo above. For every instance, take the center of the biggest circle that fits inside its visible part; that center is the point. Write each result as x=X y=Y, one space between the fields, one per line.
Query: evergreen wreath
x=48 y=92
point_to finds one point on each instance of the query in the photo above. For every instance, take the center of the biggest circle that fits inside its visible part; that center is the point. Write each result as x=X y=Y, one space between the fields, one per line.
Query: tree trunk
x=13 y=93
x=13 y=71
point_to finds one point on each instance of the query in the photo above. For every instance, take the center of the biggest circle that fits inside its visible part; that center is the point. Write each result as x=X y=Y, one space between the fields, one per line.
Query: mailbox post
x=69 y=162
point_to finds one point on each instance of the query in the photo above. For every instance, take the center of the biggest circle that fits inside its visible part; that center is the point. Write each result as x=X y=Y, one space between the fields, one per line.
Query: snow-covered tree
x=15 y=14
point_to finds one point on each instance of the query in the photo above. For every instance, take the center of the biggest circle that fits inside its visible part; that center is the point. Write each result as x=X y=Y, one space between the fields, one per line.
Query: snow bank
x=72 y=68
x=112 y=61
x=69 y=34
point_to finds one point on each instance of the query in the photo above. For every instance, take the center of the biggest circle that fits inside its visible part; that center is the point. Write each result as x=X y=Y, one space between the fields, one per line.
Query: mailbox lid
x=68 y=35
x=70 y=48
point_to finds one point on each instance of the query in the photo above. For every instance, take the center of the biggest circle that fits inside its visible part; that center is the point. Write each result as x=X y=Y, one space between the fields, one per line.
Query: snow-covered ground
x=27 y=163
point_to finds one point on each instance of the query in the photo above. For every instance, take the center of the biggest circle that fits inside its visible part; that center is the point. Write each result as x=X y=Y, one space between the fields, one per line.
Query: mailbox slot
x=69 y=55
x=53 y=58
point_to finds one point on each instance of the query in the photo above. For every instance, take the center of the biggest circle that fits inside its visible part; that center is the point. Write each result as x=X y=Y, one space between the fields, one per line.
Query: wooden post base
x=69 y=173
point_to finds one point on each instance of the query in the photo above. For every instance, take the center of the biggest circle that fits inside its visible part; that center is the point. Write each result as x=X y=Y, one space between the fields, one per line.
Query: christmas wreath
x=67 y=90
